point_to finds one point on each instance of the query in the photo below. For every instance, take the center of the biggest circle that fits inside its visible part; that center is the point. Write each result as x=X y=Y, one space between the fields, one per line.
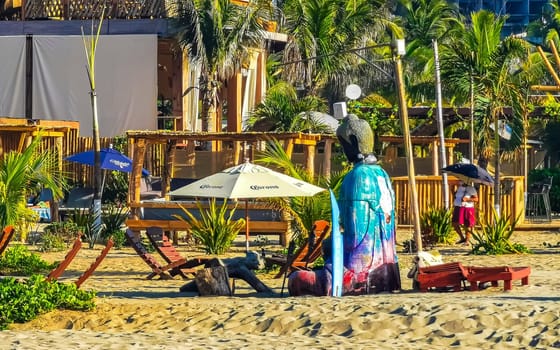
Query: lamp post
x=398 y=51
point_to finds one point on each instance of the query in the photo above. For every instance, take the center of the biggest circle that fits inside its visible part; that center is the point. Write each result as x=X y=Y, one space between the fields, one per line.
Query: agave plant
x=436 y=226
x=495 y=237
x=215 y=229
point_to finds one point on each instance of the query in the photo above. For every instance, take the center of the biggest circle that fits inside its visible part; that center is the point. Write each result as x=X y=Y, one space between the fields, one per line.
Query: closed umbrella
x=246 y=181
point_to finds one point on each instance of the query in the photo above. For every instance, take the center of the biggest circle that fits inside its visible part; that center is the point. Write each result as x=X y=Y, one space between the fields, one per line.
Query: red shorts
x=464 y=216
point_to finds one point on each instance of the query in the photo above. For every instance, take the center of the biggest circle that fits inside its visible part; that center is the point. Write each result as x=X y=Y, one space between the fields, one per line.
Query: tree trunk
x=213 y=281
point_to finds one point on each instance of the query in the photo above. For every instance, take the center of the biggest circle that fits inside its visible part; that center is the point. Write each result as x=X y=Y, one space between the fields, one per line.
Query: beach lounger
x=304 y=257
x=87 y=273
x=59 y=270
x=442 y=277
x=163 y=271
x=477 y=275
x=80 y=199
x=167 y=251
x=7 y=234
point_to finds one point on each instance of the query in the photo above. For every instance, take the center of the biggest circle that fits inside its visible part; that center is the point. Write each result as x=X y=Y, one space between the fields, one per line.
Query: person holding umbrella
x=464 y=212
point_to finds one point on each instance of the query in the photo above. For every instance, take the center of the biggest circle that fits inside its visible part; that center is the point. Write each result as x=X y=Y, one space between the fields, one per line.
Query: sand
x=135 y=313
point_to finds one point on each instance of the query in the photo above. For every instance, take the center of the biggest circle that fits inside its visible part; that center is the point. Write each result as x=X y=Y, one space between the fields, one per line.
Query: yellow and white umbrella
x=247 y=181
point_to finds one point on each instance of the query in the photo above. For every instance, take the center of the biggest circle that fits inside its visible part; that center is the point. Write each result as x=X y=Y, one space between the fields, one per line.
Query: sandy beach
x=135 y=313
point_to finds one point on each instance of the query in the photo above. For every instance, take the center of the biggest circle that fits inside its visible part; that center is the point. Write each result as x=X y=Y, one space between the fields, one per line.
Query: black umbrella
x=470 y=173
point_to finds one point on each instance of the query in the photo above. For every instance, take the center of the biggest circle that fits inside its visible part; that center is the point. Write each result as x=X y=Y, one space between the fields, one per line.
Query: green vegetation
x=21 y=175
x=58 y=235
x=22 y=301
x=113 y=222
x=215 y=229
x=17 y=260
x=304 y=211
x=494 y=238
x=436 y=226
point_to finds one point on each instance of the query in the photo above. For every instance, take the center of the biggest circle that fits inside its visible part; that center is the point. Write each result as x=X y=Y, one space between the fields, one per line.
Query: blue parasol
x=110 y=159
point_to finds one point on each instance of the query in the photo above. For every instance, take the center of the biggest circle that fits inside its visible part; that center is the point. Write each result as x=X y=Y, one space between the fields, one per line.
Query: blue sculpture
x=367 y=215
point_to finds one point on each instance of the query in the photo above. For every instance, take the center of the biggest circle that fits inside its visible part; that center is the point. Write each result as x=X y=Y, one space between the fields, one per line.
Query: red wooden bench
x=477 y=275
x=443 y=276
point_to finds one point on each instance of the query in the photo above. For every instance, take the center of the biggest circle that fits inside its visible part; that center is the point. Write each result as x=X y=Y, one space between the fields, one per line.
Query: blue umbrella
x=110 y=159
x=470 y=173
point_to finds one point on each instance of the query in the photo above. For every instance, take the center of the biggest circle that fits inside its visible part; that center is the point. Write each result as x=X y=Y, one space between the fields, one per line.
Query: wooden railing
x=85 y=9
x=430 y=194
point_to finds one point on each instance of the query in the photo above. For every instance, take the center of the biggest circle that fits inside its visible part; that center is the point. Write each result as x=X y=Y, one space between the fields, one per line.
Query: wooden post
x=168 y=169
x=403 y=111
x=309 y=154
x=435 y=158
x=234 y=99
x=327 y=153
x=136 y=176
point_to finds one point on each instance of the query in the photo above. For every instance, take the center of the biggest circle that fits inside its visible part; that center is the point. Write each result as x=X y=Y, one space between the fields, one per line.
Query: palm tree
x=303 y=210
x=486 y=62
x=422 y=22
x=282 y=111
x=21 y=174
x=217 y=36
x=547 y=27
x=321 y=35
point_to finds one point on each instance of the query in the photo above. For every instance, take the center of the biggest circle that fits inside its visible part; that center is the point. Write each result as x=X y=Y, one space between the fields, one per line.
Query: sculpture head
x=356 y=138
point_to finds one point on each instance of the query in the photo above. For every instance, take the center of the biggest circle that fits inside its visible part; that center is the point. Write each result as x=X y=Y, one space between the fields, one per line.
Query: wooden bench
x=477 y=275
x=279 y=228
x=449 y=275
x=263 y=220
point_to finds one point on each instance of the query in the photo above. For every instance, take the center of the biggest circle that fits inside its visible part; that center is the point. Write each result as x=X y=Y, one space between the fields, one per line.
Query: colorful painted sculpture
x=366 y=202
x=367 y=215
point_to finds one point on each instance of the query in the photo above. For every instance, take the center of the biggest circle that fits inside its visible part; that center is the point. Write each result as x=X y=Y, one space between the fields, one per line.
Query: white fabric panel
x=125 y=78
x=12 y=76
x=250 y=90
x=191 y=78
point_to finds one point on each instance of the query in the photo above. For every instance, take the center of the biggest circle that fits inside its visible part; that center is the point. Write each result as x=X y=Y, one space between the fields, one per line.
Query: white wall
x=125 y=77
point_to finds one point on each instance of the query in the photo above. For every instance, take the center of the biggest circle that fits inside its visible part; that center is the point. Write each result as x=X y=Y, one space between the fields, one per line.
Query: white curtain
x=191 y=89
x=125 y=76
x=250 y=89
x=12 y=76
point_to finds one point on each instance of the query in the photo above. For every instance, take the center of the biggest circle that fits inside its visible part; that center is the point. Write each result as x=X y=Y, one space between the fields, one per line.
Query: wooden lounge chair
x=163 y=271
x=304 y=257
x=442 y=277
x=477 y=275
x=167 y=251
x=95 y=264
x=7 y=234
x=59 y=270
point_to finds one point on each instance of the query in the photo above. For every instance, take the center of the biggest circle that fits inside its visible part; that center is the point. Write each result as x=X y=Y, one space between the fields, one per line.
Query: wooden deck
x=554 y=224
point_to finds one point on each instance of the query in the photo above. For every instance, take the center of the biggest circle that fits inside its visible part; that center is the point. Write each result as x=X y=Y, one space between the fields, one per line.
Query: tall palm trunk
x=497 y=193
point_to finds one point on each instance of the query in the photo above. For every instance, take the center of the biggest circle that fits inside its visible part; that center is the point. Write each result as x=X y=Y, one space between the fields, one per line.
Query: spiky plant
x=494 y=238
x=436 y=226
x=215 y=229
x=21 y=174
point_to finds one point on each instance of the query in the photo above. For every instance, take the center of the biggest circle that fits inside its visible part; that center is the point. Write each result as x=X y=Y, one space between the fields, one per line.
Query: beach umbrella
x=110 y=159
x=247 y=181
x=470 y=173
